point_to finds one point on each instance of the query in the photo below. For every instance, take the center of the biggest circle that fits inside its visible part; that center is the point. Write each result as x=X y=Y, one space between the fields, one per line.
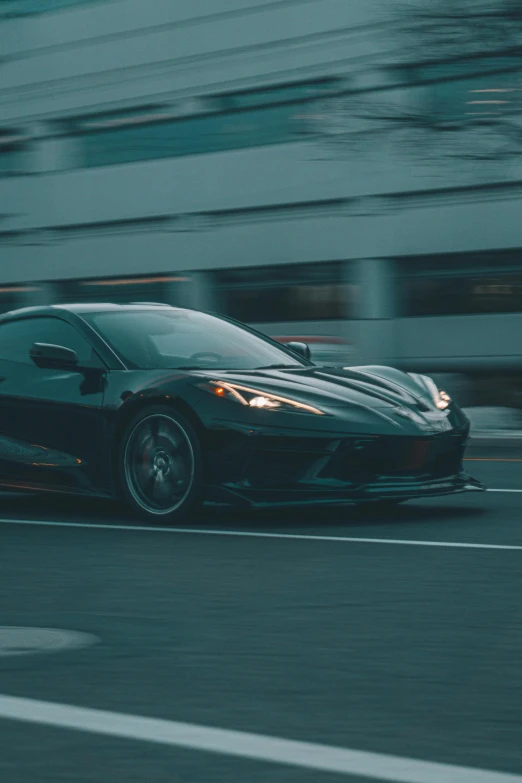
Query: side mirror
x=53 y=357
x=301 y=348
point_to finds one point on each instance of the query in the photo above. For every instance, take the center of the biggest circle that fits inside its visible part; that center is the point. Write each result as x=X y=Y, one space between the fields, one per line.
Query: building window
x=294 y=292
x=17 y=338
x=14 y=8
x=224 y=122
x=13 y=154
x=471 y=89
x=462 y=285
x=12 y=297
x=163 y=289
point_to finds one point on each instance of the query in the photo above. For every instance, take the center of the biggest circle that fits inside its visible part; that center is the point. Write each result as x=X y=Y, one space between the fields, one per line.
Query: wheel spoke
x=159 y=464
x=162 y=489
x=180 y=473
x=153 y=432
x=150 y=486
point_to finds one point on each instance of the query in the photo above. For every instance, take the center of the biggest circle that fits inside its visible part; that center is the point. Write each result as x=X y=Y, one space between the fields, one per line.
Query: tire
x=160 y=466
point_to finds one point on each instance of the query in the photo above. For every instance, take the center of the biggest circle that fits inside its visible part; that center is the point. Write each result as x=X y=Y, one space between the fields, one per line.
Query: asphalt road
x=408 y=650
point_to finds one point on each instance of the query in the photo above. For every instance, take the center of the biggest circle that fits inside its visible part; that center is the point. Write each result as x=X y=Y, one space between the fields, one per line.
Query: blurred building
x=201 y=152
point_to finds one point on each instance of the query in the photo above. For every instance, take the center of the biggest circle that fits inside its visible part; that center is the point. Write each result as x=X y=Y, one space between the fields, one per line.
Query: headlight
x=441 y=400
x=253 y=398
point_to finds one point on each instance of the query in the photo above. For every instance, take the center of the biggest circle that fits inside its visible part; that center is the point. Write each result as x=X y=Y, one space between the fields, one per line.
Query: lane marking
x=490 y=459
x=257 y=534
x=504 y=490
x=240 y=744
x=16 y=640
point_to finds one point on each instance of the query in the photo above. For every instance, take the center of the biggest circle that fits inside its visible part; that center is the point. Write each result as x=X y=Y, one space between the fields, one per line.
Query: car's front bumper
x=395 y=490
x=263 y=468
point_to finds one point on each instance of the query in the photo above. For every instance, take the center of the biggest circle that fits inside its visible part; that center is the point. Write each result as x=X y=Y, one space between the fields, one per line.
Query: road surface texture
x=364 y=632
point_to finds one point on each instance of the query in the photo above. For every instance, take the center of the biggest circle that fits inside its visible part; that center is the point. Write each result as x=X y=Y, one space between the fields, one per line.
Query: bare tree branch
x=444 y=41
x=445 y=29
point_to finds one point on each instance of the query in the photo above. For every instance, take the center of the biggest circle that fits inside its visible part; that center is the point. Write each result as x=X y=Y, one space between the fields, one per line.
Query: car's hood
x=376 y=387
x=368 y=399
x=369 y=396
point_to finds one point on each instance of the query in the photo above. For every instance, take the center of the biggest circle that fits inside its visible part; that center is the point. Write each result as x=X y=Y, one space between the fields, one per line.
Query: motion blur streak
x=251 y=534
x=346 y=175
x=245 y=745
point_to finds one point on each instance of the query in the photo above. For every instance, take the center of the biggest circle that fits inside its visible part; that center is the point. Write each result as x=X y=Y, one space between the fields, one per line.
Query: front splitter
x=385 y=489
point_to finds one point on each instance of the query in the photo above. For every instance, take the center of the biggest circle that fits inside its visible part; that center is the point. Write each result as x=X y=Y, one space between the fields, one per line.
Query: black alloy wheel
x=160 y=466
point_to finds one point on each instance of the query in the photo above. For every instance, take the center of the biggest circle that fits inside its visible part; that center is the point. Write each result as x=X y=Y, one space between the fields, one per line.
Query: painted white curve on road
x=258 y=534
x=239 y=744
x=19 y=640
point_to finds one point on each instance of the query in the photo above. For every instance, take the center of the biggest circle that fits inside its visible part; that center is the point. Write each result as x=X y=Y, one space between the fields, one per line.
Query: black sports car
x=166 y=407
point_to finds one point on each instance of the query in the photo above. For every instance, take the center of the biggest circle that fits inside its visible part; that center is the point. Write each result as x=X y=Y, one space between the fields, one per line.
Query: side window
x=17 y=338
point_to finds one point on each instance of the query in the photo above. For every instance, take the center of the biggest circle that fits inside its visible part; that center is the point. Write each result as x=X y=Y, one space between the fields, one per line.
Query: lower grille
x=275 y=463
x=361 y=460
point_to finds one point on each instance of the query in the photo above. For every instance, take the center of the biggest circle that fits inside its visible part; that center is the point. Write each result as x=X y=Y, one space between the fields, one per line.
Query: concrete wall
x=62 y=222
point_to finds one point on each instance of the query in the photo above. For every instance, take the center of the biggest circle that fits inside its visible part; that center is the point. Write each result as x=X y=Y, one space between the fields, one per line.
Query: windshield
x=174 y=339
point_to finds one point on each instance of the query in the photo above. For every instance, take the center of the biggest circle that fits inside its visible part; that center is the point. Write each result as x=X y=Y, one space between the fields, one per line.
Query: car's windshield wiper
x=193 y=367
x=240 y=369
x=204 y=368
x=281 y=367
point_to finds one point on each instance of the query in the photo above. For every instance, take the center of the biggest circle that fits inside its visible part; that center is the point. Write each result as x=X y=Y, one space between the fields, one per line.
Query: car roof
x=82 y=308
x=103 y=307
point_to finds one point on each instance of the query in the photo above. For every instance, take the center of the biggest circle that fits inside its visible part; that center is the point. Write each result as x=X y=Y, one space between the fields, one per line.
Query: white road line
x=256 y=534
x=504 y=490
x=239 y=744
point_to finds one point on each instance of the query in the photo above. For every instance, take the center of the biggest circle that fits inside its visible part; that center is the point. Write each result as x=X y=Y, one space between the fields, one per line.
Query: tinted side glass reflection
x=17 y=338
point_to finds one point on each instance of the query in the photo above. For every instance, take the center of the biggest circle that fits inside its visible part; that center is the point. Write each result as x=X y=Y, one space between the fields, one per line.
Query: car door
x=52 y=427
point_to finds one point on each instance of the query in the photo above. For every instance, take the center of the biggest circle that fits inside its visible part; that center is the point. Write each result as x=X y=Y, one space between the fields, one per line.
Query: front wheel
x=160 y=466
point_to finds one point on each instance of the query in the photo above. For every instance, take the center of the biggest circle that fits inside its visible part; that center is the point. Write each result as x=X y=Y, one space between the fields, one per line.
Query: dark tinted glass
x=463 y=295
x=294 y=292
x=228 y=122
x=488 y=87
x=462 y=285
x=18 y=337
x=290 y=92
x=193 y=136
x=13 y=160
x=487 y=97
x=168 y=338
x=13 y=297
x=163 y=289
